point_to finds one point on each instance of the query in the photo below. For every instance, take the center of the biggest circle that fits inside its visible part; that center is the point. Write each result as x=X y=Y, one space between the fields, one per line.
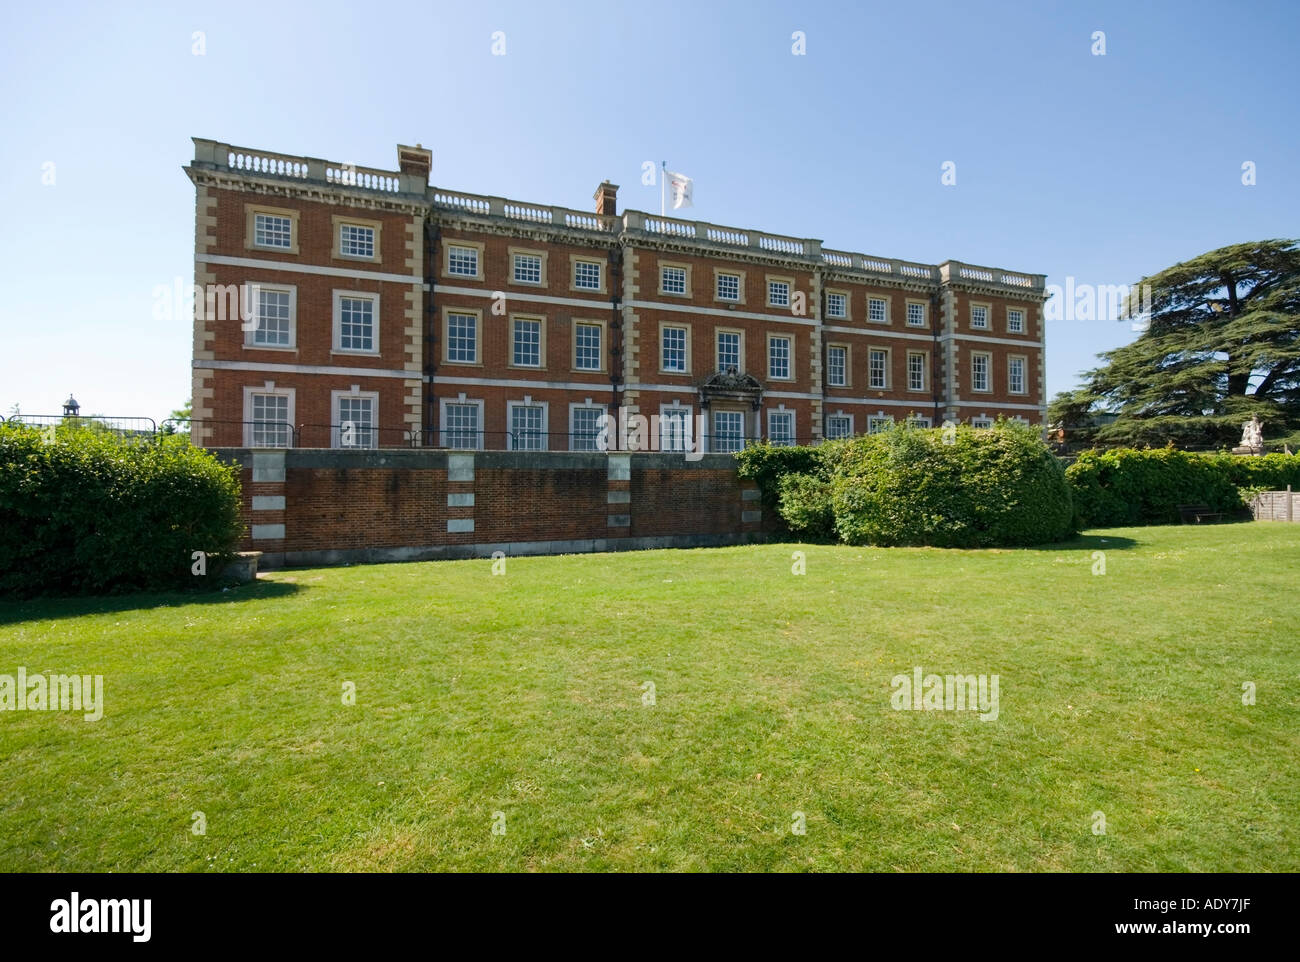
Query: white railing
x=916 y=270
x=349 y=175
x=516 y=211
x=581 y=221
x=781 y=245
x=470 y=203
x=279 y=165
x=726 y=235
x=674 y=228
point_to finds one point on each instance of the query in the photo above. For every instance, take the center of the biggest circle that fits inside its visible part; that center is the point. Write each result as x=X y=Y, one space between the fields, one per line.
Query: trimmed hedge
x=767 y=464
x=1126 y=486
x=963 y=488
x=88 y=511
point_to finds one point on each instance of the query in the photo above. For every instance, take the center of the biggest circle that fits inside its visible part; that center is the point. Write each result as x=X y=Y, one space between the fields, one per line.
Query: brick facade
x=428 y=340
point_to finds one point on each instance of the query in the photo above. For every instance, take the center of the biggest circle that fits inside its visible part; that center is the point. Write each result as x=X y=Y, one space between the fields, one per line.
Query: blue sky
x=1104 y=168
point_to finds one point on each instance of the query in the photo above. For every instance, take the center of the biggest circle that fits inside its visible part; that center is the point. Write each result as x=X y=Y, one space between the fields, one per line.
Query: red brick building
x=354 y=307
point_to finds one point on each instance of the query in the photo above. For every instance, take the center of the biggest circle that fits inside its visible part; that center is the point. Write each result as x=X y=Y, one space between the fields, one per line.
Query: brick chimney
x=607 y=198
x=415 y=160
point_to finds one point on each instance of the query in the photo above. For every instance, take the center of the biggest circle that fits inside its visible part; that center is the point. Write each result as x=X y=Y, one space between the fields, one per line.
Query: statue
x=1252 y=437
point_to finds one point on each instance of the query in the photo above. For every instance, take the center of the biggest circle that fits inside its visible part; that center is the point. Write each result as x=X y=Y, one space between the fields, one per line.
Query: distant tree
x=1223 y=343
x=1071 y=411
x=179 y=419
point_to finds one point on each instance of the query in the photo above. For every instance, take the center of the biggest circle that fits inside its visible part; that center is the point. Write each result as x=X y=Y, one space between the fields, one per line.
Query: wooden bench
x=1198 y=514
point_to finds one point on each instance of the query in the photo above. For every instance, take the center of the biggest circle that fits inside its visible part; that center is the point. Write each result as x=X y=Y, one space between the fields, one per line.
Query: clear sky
x=1104 y=168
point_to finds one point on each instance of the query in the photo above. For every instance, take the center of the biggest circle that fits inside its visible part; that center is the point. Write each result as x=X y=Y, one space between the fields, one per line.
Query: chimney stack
x=415 y=160
x=607 y=198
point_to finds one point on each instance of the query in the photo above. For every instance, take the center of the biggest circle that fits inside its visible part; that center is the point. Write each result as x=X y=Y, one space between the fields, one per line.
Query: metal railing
x=126 y=426
x=348 y=435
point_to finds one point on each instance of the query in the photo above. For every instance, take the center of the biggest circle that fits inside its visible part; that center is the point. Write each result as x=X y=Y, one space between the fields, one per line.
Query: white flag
x=680 y=190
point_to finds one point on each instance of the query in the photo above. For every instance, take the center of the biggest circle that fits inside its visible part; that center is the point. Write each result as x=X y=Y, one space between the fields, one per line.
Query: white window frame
x=516 y=319
x=1023 y=361
x=343 y=223
x=843 y=315
x=338 y=322
x=715 y=434
x=739 y=277
x=783 y=413
x=884 y=370
x=740 y=347
x=590 y=262
x=337 y=420
x=925 y=313
x=983 y=323
x=981 y=423
x=685 y=269
x=443 y=404
x=789 y=357
x=685 y=331
x=1020 y=328
x=573 y=432
x=775 y=282
x=516 y=256
x=925 y=370
x=528 y=402
x=877 y=423
x=988 y=372
x=249 y=392
x=679 y=444
x=349 y=246
x=843 y=349
x=257 y=287
x=600 y=347
x=477 y=317
x=286 y=215
x=839 y=416
x=884 y=309
x=474 y=247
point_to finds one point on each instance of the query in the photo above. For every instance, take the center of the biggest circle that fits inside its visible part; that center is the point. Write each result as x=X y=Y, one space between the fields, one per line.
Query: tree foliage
x=1223 y=343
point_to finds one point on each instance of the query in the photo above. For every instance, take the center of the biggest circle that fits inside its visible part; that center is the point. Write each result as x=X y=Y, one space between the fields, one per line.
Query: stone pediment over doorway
x=731 y=385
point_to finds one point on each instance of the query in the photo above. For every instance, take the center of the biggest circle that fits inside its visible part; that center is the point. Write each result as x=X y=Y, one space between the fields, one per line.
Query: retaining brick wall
x=312 y=507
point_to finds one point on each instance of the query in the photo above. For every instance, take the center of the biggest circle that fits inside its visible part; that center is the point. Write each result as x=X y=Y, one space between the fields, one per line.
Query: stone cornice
x=309 y=191
x=308 y=178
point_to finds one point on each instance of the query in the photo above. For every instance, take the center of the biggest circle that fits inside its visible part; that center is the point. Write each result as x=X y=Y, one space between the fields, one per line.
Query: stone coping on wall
x=514 y=549
x=436 y=459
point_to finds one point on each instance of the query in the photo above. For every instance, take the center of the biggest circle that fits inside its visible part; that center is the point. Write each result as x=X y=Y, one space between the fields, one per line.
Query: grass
x=523 y=694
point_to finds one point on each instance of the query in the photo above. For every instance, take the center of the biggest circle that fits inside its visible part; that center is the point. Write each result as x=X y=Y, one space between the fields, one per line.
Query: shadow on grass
x=1080 y=542
x=32 y=609
x=1087 y=542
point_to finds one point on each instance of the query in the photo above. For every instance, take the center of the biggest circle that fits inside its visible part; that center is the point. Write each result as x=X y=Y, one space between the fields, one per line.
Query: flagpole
x=663 y=176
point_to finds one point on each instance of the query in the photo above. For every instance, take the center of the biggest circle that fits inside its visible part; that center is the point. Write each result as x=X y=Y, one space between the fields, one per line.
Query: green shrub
x=804 y=502
x=1125 y=486
x=965 y=488
x=1269 y=472
x=88 y=511
x=766 y=464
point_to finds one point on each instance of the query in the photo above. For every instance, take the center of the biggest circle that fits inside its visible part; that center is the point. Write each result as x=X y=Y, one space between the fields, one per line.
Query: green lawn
x=523 y=694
